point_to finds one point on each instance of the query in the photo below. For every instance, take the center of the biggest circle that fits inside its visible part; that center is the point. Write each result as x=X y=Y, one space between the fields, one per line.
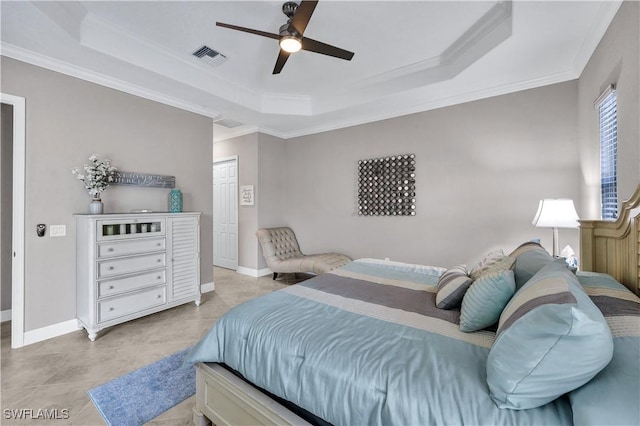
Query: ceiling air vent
x=210 y=56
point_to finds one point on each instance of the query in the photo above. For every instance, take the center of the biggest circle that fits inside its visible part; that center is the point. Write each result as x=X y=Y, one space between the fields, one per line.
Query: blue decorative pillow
x=617 y=386
x=530 y=258
x=551 y=339
x=452 y=285
x=486 y=298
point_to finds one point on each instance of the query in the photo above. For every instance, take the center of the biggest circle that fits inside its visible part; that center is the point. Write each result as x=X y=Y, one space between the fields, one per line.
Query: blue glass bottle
x=175 y=200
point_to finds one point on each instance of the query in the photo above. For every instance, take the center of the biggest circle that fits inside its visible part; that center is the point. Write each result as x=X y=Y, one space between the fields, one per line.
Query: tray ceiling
x=409 y=56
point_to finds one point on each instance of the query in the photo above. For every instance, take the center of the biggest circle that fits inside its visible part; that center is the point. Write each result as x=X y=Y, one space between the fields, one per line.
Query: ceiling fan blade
x=282 y=59
x=325 y=49
x=303 y=15
x=249 y=30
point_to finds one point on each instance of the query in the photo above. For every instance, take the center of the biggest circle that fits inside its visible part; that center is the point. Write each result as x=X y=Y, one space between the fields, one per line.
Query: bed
x=366 y=344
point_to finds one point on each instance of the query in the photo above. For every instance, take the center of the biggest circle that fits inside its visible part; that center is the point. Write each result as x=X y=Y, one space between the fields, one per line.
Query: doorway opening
x=225 y=213
x=6 y=189
x=17 y=200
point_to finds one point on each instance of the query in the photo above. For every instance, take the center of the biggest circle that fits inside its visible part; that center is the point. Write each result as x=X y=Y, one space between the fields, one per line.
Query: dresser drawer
x=123 y=248
x=125 y=305
x=130 y=283
x=109 y=268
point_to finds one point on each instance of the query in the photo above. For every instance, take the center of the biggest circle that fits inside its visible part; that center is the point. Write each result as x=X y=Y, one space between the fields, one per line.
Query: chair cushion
x=282 y=253
x=278 y=243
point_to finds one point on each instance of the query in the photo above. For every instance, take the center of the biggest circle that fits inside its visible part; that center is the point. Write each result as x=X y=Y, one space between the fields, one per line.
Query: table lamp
x=556 y=213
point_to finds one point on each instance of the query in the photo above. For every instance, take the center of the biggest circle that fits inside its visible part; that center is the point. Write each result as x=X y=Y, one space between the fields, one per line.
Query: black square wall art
x=387 y=186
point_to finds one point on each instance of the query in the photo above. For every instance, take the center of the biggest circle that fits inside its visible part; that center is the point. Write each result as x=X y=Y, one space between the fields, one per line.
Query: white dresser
x=131 y=265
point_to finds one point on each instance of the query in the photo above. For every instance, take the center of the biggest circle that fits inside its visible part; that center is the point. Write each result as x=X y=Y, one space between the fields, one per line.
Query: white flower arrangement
x=96 y=176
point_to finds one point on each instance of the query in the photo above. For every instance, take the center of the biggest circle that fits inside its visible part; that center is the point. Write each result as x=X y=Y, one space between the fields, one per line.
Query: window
x=608 y=113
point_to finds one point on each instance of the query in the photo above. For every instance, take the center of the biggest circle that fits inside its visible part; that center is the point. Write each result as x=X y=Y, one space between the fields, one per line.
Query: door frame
x=18 y=217
x=218 y=161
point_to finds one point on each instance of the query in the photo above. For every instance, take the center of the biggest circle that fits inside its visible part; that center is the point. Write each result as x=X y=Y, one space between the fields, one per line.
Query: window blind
x=608 y=112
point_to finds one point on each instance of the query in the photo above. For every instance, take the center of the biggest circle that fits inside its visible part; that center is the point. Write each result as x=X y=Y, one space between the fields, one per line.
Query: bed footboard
x=225 y=399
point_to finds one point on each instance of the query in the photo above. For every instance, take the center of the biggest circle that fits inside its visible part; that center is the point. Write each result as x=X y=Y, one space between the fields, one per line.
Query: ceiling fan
x=291 y=37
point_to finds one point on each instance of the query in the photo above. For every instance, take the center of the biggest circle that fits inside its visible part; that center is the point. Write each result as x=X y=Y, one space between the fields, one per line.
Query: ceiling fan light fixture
x=290 y=44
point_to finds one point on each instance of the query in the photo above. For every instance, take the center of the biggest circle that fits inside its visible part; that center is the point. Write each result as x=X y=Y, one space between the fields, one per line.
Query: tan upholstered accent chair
x=282 y=253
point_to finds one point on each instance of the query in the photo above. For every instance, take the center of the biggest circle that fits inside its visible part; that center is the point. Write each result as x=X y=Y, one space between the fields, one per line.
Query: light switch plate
x=58 y=230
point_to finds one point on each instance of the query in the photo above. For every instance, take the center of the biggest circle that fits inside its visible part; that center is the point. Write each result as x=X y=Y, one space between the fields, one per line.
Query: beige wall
x=261 y=164
x=6 y=191
x=246 y=148
x=69 y=119
x=616 y=60
x=272 y=172
x=482 y=167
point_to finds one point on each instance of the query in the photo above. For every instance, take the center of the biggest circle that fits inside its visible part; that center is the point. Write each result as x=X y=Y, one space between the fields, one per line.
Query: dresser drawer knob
x=159 y=296
x=112 y=309
x=110 y=249
x=159 y=277
x=159 y=260
x=111 y=287
x=159 y=244
x=111 y=268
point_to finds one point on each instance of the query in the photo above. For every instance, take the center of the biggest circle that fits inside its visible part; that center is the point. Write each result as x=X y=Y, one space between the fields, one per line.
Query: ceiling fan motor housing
x=289 y=9
x=288 y=30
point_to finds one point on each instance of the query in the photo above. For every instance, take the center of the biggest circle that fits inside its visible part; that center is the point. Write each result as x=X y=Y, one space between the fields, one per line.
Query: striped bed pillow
x=486 y=298
x=530 y=257
x=488 y=295
x=452 y=285
x=551 y=339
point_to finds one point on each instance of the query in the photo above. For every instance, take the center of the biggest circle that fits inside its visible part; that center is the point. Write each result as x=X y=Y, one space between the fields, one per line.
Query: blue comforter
x=365 y=345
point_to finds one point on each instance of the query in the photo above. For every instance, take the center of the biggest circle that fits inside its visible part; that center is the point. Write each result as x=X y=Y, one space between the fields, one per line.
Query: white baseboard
x=5 y=315
x=207 y=287
x=264 y=272
x=253 y=272
x=54 y=330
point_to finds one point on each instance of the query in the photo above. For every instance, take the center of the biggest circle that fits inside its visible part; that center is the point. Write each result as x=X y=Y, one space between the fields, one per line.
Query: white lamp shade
x=556 y=213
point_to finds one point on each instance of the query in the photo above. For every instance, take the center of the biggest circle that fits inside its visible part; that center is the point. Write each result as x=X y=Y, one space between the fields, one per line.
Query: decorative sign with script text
x=144 y=179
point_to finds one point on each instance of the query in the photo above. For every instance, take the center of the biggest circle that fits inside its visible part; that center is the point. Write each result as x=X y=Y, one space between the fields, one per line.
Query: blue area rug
x=144 y=394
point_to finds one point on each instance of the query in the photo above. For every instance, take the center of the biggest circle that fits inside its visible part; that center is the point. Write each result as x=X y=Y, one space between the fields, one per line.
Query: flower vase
x=175 y=201
x=96 y=206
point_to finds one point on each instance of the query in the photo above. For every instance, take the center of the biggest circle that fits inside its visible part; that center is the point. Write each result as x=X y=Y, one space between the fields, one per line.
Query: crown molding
x=606 y=13
x=273 y=103
x=426 y=106
x=237 y=132
x=62 y=67
x=499 y=15
x=489 y=31
x=103 y=80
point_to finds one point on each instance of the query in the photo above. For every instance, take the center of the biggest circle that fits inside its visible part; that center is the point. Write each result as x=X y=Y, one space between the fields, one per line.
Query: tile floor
x=58 y=372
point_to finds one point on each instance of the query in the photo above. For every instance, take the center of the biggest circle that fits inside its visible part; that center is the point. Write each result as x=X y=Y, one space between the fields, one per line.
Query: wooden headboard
x=614 y=247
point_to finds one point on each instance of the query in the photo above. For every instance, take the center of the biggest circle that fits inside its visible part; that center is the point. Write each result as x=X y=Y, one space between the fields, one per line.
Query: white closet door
x=225 y=214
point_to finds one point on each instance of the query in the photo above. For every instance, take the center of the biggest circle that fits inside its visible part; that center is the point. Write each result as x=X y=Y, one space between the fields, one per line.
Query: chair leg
x=275 y=275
